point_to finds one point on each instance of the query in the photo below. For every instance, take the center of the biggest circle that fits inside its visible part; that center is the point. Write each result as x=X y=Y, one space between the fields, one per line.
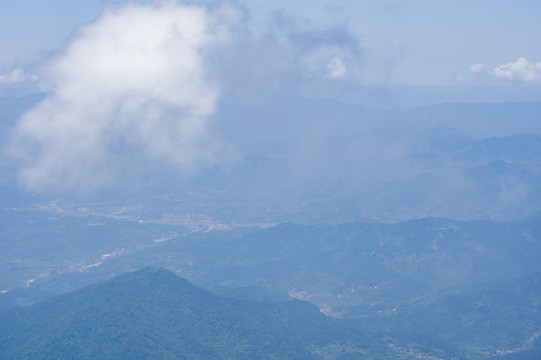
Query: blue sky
x=406 y=42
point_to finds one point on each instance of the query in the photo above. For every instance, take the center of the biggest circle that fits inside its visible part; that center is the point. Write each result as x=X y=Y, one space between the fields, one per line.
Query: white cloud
x=477 y=68
x=134 y=84
x=16 y=75
x=337 y=69
x=521 y=70
x=292 y=56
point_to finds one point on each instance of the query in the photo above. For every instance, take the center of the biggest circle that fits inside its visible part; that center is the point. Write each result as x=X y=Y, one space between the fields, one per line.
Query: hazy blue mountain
x=363 y=268
x=498 y=319
x=154 y=314
x=346 y=270
x=322 y=161
x=293 y=116
x=481 y=120
x=349 y=163
x=520 y=148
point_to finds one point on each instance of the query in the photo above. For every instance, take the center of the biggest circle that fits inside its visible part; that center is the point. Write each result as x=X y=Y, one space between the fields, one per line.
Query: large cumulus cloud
x=132 y=85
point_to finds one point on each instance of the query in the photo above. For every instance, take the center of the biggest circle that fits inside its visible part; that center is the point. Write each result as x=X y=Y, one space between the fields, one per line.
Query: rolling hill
x=154 y=314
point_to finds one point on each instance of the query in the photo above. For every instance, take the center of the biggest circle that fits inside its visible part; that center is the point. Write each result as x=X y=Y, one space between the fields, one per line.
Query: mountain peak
x=152 y=313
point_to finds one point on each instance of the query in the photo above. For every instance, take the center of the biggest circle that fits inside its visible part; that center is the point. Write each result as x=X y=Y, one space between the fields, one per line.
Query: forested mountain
x=498 y=319
x=153 y=314
x=348 y=269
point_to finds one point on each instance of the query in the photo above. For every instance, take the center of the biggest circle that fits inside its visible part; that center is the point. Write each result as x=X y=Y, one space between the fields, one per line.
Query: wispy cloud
x=16 y=75
x=477 y=68
x=337 y=69
x=291 y=55
x=132 y=85
x=519 y=70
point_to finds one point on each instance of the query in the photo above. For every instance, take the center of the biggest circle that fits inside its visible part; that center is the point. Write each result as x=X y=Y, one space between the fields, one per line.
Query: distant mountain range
x=348 y=269
x=321 y=161
x=499 y=319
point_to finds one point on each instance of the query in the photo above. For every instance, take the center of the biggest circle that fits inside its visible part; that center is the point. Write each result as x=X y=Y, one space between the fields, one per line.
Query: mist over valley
x=216 y=180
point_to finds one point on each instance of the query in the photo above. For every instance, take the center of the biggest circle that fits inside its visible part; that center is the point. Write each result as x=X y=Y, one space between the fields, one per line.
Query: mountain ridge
x=152 y=313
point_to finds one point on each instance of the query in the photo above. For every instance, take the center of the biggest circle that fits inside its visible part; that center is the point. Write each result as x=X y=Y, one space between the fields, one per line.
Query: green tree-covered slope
x=153 y=314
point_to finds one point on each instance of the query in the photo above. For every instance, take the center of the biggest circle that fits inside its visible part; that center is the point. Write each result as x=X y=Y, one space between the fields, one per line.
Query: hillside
x=348 y=270
x=499 y=319
x=154 y=314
